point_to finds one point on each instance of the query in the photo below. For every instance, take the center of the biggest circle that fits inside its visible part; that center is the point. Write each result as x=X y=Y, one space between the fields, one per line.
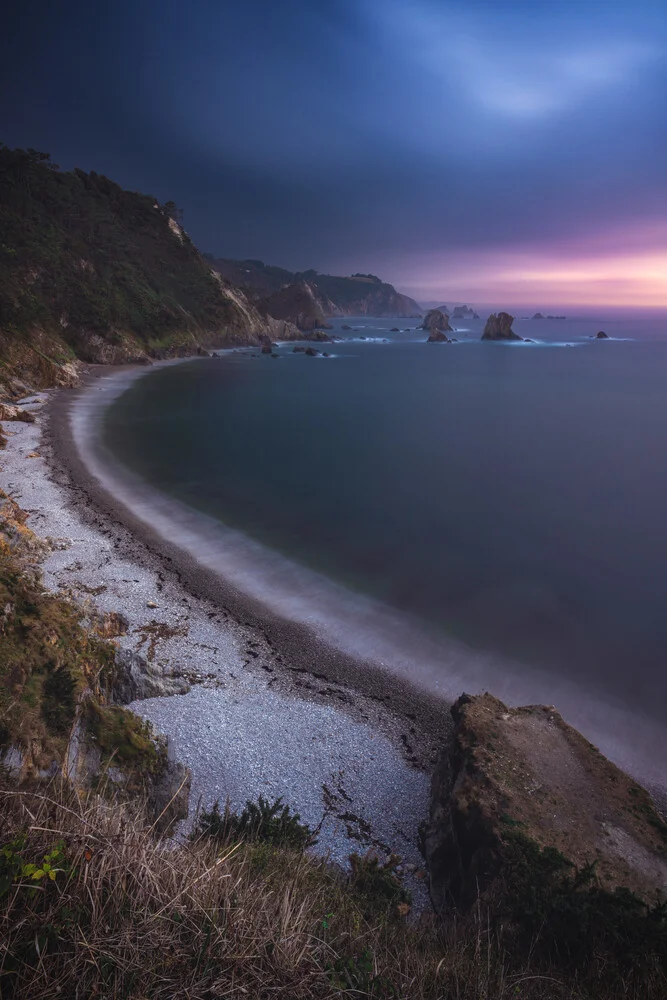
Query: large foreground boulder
x=499 y=327
x=436 y=322
x=521 y=785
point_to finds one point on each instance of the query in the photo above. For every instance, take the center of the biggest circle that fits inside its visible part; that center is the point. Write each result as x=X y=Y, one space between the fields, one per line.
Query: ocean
x=505 y=501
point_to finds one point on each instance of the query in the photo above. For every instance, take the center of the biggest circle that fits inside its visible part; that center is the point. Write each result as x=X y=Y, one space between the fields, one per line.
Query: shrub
x=270 y=822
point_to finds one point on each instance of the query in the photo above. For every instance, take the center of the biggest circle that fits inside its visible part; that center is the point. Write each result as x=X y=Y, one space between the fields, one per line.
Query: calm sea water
x=512 y=496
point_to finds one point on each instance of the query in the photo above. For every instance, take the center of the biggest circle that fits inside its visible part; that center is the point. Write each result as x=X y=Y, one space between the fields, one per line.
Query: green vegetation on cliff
x=90 y=271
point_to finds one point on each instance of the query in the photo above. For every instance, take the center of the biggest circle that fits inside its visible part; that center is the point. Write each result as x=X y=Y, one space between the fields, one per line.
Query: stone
x=8 y=412
x=513 y=773
x=436 y=322
x=499 y=327
x=135 y=678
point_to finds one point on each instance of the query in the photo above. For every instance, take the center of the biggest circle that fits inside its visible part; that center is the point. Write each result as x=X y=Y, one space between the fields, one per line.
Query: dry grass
x=123 y=914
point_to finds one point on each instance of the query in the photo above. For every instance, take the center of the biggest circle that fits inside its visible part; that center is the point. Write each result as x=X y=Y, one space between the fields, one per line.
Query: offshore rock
x=436 y=322
x=524 y=775
x=601 y=335
x=499 y=327
x=464 y=312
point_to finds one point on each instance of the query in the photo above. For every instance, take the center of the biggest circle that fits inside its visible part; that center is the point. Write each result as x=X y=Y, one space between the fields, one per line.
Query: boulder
x=601 y=335
x=311 y=352
x=345 y=327
x=436 y=322
x=319 y=336
x=520 y=787
x=135 y=678
x=9 y=412
x=499 y=327
x=394 y=329
x=298 y=350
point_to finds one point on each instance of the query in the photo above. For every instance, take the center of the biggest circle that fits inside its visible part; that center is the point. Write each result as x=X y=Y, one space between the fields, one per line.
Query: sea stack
x=437 y=324
x=464 y=312
x=499 y=327
x=601 y=335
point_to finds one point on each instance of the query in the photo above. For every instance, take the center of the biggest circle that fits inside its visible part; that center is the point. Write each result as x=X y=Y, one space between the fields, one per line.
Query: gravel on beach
x=240 y=731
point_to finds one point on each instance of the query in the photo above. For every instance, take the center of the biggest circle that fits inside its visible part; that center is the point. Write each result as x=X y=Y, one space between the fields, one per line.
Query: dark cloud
x=342 y=133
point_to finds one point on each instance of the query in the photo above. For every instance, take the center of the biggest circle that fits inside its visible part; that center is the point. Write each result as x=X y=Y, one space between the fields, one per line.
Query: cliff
x=530 y=819
x=356 y=295
x=94 y=273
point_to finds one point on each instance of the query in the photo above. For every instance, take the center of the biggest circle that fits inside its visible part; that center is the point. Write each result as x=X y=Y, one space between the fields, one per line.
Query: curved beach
x=285 y=705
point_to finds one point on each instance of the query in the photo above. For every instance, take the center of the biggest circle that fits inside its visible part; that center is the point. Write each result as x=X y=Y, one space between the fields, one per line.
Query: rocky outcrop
x=61 y=680
x=436 y=323
x=538 y=316
x=499 y=327
x=601 y=335
x=297 y=304
x=135 y=678
x=464 y=312
x=355 y=295
x=318 y=336
x=524 y=779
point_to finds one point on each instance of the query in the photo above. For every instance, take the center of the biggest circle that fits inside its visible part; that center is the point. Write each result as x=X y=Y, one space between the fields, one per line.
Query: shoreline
x=272 y=708
x=340 y=646
x=425 y=715
x=252 y=704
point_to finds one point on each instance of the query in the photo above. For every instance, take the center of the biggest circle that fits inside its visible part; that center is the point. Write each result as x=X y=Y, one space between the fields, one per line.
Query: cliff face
x=521 y=785
x=357 y=295
x=93 y=273
x=297 y=304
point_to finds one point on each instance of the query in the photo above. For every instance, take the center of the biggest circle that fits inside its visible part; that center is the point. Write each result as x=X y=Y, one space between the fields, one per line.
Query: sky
x=492 y=151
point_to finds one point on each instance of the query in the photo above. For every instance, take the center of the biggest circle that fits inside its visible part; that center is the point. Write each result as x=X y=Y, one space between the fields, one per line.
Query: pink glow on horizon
x=619 y=269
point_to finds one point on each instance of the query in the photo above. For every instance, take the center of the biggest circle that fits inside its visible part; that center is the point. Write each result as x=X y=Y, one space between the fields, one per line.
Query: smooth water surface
x=513 y=496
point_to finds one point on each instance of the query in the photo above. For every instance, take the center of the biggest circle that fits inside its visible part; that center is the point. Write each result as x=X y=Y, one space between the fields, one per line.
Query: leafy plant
x=378 y=883
x=270 y=822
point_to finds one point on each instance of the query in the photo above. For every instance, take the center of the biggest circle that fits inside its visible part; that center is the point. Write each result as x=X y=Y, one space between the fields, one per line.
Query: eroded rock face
x=526 y=773
x=436 y=323
x=9 y=412
x=499 y=327
x=136 y=678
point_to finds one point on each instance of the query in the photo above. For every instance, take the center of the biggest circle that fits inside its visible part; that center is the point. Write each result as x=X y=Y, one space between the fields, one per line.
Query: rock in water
x=464 y=312
x=437 y=324
x=538 y=316
x=499 y=327
x=522 y=779
x=601 y=335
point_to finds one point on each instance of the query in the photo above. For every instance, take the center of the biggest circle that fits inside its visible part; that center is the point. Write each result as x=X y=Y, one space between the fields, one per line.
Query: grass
x=92 y=904
x=47 y=658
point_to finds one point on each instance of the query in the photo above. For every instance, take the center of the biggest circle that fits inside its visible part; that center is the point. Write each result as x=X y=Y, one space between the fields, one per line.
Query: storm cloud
x=448 y=146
